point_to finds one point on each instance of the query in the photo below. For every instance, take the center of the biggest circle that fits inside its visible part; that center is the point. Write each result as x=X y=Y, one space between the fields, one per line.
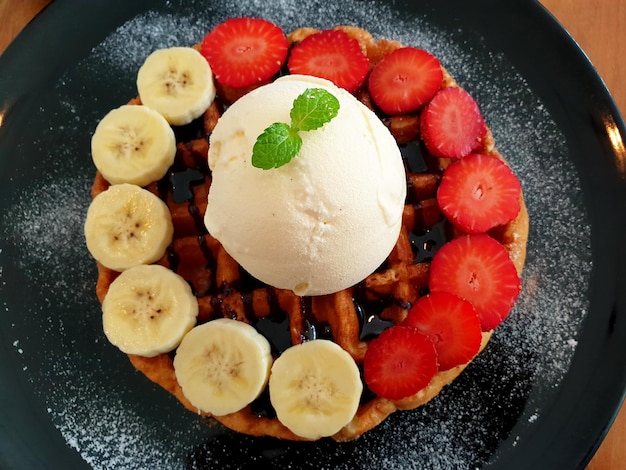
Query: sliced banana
x=222 y=365
x=127 y=225
x=315 y=388
x=133 y=144
x=178 y=83
x=147 y=310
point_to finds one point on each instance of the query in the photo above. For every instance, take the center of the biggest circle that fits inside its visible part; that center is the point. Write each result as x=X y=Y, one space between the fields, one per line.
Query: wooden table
x=600 y=29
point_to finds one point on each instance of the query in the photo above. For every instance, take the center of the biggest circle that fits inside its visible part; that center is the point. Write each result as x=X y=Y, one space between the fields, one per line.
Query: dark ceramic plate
x=543 y=393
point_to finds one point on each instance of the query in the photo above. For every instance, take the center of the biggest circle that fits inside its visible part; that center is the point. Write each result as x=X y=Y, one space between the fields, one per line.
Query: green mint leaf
x=276 y=146
x=313 y=108
x=280 y=142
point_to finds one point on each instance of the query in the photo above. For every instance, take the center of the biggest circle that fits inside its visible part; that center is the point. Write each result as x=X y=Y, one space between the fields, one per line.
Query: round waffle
x=350 y=317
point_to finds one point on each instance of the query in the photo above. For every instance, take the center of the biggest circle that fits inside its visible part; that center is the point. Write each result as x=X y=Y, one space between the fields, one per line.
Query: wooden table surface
x=599 y=27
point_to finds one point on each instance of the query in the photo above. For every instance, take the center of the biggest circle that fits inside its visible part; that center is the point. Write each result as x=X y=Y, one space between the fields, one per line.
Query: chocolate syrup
x=426 y=238
x=418 y=159
x=368 y=312
x=164 y=187
x=426 y=244
x=193 y=130
x=172 y=258
x=194 y=211
x=276 y=329
x=312 y=328
x=412 y=154
x=181 y=182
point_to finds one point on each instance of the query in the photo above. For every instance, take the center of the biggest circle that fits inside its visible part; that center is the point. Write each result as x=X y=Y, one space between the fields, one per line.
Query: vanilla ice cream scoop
x=325 y=220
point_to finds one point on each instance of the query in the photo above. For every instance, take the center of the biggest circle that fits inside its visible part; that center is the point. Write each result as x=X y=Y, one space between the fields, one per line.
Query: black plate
x=543 y=393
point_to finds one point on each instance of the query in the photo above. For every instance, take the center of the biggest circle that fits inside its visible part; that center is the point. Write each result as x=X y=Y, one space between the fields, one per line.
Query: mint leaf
x=313 y=108
x=280 y=142
x=276 y=146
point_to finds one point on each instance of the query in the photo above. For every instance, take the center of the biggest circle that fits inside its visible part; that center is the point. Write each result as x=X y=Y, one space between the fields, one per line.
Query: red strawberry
x=405 y=80
x=452 y=125
x=478 y=269
x=451 y=323
x=399 y=363
x=245 y=51
x=478 y=193
x=332 y=55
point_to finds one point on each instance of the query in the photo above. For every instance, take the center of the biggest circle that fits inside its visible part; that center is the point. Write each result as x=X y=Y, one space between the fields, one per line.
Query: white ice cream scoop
x=325 y=220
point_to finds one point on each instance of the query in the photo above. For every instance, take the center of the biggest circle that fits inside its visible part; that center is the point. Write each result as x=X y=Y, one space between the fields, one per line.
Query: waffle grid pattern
x=350 y=317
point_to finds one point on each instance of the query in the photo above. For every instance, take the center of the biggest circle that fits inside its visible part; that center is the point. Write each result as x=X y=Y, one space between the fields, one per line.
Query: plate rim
x=607 y=330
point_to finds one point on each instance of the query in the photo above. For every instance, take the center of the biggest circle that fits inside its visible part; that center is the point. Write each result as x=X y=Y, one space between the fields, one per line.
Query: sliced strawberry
x=332 y=55
x=245 y=51
x=405 y=80
x=478 y=269
x=478 y=193
x=452 y=125
x=451 y=323
x=399 y=363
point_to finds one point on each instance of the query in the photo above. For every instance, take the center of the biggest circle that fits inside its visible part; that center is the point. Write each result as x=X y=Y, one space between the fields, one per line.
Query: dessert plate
x=542 y=394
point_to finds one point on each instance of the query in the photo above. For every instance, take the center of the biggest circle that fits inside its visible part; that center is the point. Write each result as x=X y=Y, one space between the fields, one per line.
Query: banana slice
x=315 y=388
x=147 y=310
x=133 y=144
x=127 y=225
x=222 y=365
x=178 y=83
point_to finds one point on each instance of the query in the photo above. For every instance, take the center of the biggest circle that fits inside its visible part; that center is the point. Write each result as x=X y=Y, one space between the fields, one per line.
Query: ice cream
x=324 y=221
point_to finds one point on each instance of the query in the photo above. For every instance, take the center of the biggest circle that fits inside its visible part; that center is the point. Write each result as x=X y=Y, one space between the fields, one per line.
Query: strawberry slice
x=244 y=51
x=332 y=55
x=478 y=193
x=452 y=125
x=399 y=363
x=405 y=80
x=478 y=269
x=451 y=323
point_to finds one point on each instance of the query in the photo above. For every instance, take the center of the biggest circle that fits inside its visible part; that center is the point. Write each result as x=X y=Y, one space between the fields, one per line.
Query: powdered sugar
x=115 y=419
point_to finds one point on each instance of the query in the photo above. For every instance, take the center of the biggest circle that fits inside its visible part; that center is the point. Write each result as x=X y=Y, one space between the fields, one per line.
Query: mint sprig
x=281 y=142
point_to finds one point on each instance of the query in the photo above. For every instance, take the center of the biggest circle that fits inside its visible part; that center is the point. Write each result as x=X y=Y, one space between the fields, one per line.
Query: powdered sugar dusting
x=44 y=225
x=96 y=436
x=114 y=418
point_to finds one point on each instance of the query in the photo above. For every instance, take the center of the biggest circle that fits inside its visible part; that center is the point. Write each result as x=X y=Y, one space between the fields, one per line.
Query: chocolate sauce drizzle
x=180 y=186
x=425 y=240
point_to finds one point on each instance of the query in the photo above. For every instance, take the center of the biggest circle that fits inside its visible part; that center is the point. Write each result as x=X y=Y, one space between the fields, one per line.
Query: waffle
x=350 y=317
